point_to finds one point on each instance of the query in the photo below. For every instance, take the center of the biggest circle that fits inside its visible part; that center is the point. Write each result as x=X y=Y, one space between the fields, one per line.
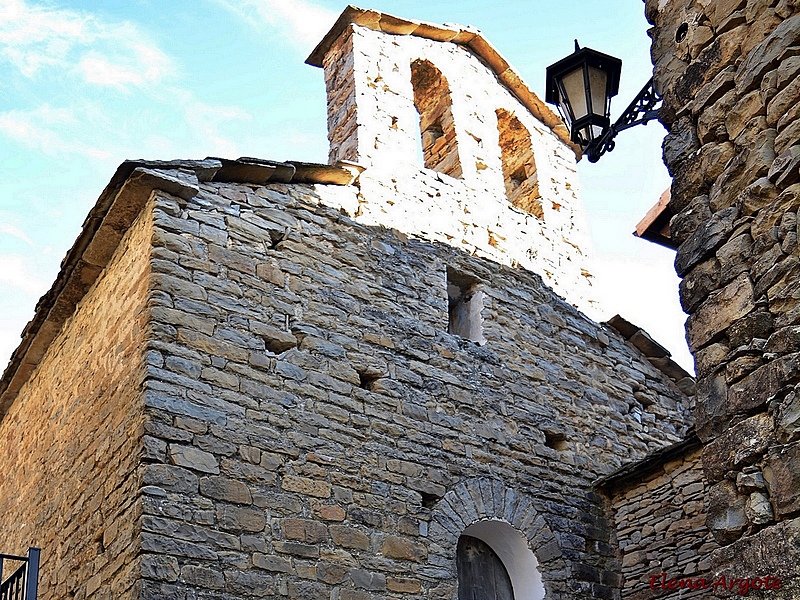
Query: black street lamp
x=581 y=86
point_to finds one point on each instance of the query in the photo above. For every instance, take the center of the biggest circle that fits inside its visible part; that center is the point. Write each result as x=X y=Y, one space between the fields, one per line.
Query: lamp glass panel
x=564 y=109
x=586 y=134
x=597 y=85
x=576 y=92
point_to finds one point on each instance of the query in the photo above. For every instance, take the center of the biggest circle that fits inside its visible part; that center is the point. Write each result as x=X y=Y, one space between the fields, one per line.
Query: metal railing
x=23 y=583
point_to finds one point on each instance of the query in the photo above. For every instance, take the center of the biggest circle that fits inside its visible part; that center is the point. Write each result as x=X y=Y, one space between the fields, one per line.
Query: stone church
x=373 y=378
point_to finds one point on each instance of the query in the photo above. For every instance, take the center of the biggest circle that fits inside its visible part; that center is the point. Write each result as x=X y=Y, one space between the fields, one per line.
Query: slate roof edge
x=464 y=36
x=637 y=470
x=116 y=208
x=655 y=353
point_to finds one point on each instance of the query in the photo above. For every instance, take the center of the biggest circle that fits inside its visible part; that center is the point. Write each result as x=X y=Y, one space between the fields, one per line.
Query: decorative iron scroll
x=642 y=109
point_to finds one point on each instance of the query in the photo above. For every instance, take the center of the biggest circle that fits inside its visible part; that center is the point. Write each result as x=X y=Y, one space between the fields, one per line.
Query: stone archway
x=506 y=520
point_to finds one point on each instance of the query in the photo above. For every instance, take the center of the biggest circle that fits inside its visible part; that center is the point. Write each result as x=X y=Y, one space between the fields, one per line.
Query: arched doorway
x=515 y=557
x=481 y=574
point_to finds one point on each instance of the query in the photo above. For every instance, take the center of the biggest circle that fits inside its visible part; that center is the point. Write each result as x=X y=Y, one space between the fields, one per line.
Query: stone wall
x=70 y=444
x=660 y=522
x=314 y=431
x=730 y=74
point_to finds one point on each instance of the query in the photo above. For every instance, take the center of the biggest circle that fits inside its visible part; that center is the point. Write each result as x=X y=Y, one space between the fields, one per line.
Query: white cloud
x=43 y=128
x=19 y=291
x=206 y=119
x=15 y=232
x=302 y=23
x=15 y=274
x=35 y=38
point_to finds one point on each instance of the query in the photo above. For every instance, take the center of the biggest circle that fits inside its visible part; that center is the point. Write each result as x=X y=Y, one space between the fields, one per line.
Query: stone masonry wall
x=313 y=431
x=372 y=119
x=661 y=528
x=730 y=74
x=70 y=445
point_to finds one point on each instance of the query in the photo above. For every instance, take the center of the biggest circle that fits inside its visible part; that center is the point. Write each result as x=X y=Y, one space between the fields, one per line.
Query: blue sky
x=88 y=84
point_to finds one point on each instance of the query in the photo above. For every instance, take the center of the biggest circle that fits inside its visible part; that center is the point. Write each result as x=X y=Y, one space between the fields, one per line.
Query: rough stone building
x=348 y=381
x=730 y=75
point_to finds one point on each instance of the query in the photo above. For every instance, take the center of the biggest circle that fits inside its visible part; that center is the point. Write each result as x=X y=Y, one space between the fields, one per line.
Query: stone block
x=349 y=537
x=758 y=31
x=708 y=360
x=331 y=573
x=711 y=410
x=763 y=384
x=297 y=549
x=711 y=123
x=787 y=137
x=403 y=585
x=734 y=256
x=647 y=345
x=712 y=60
x=749 y=106
x=681 y=142
x=759 y=510
x=778 y=284
x=753 y=325
x=202 y=577
x=713 y=158
x=160 y=568
x=235 y=518
x=402 y=549
x=222 y=488
x=756 y=196
x=741 y=445
x=785 y=169
x=705 y=239
x=782 y=474
x=686 y=222
x=330 y=512
x=783 y=101
x=193 y=458
x=751 y=162
x=750 y=481
x=767 y=54
x=304 y=485
x=252 y=582
x=720 y=12
x=170 y=478
x=741 y=366
x=688 y=182
x=698 y=283
x=368 y=580
x=726 y=517
x=722 y=308
x=787 y=418
x=304 y=530
x=787 y=71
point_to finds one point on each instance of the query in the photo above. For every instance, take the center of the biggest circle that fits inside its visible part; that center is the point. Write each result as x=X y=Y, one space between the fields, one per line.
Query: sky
x=85 y=85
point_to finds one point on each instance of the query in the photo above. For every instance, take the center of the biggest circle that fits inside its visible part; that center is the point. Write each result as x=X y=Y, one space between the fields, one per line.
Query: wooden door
x=481 y=574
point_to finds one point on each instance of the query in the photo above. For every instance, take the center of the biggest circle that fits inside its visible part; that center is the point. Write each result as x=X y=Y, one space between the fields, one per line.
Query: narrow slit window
x=465 y=305
x=438 y=133
x=519 y=167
